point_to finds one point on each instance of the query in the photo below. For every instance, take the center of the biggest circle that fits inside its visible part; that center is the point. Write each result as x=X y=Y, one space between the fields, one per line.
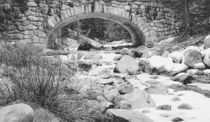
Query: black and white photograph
x=104 y=60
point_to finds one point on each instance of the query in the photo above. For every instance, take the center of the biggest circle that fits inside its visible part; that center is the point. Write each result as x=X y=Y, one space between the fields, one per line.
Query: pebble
x=175 y=99
x=177 y=119
x=185 y=106
x=164 y=107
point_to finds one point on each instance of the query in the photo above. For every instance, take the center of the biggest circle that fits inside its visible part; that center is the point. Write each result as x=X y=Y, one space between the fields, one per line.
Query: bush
x=37 y=79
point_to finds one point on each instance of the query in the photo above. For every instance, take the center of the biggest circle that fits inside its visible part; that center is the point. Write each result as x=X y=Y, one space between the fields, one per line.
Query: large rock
x=137 y=98
x=199 y=66
x=159 y=61
x=141 y=50
x=176 y=56
x=164 y=66
x=207 y=42
x=192 y=56
x=16 y=113
x=174 y=68
x=206 y=59
x=125 y=89
x=111 y=95
x=184 y=78
x=127 y=64
x=121 y=115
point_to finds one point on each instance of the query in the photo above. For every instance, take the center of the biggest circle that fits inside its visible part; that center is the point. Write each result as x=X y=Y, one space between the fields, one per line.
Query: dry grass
x=39 y=80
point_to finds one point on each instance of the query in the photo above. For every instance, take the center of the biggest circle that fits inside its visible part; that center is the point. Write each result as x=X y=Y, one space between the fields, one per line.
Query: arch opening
x=136 y=34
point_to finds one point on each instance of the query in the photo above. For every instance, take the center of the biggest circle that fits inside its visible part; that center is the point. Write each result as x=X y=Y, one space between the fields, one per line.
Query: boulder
x=174 y=68
x=111 y=95
x=184 y=78
x=121 y=115
x=159 y=61
x=106 y=105
x=176 y=56
x=137 y=98
x=206 y=59
x=192 y=56
x=199 y=66
x=138 y=52
x=125 y=89
x=165 y=66
x=195 y=72
x=124 y=104
x=17 y=113
x=207 y=42
x=127 y=64
x=206 y=71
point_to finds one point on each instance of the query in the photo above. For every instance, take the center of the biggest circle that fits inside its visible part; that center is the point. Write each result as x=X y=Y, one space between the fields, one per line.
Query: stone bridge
x=145 y=20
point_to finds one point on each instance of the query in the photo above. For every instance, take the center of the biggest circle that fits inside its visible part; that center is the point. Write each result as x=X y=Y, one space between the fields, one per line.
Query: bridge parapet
x=153 y=20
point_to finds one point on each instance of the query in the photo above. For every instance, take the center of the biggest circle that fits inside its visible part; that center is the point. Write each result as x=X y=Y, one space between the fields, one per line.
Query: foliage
x=96 y=28
x=193 y=15
x=35 y=79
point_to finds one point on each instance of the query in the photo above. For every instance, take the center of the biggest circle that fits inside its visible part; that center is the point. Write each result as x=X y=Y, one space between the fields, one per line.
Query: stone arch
x=115 y=14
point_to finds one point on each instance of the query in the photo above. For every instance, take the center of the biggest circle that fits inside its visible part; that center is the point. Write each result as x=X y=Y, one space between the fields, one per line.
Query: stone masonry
x=146 y=20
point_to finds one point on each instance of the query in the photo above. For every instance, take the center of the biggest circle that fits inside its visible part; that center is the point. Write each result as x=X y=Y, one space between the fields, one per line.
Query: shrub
x=40 y=80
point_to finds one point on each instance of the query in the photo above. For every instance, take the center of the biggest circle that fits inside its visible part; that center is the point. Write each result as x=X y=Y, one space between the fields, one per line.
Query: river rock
x=184 y=78
x=195 y=72
x=16 y=113
x=164 y=107
x=127 y=64
x=121 y=115
x=207 y=42
x=176 y=56
x=206 y=59
x=124 y=104
x=199 y=66
x=174 y=68
x=165 y=66
x=125 y=89
x=138 y=99
x=177 y=119
x=192 y=56
x=185 y=106
x=141 y=50
x=159 y=61
x=111 y=95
